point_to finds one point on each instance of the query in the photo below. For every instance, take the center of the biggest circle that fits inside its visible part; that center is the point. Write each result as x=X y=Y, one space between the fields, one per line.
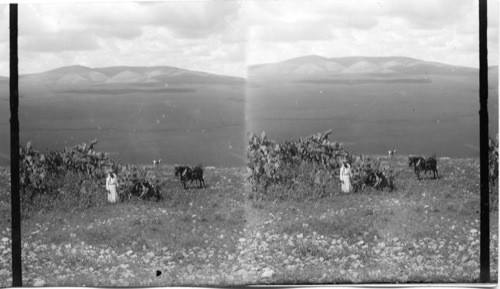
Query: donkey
x=185 y=173
x=429 y=164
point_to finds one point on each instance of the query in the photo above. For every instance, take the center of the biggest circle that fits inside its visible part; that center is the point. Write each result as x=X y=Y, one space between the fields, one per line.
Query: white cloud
x=223 y=36
x=191 y=35
x=56 y=42
x=429 y=14
x=433 y=30
x=4 y=40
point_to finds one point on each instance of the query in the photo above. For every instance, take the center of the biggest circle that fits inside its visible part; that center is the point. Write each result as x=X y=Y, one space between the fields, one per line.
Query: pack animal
x=426 y=164
x=186 y=173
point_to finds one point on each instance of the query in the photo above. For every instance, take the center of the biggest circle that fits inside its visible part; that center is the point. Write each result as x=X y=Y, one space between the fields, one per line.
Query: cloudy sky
x=224 y=37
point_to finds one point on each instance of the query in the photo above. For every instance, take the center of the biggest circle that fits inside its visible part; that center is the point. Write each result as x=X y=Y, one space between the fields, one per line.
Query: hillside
x=373 y=104
x=355 y=70
x=425 y=231
x=161 y=76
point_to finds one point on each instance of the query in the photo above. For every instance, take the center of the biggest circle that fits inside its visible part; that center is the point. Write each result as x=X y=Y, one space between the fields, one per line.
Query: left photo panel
x=132 y=135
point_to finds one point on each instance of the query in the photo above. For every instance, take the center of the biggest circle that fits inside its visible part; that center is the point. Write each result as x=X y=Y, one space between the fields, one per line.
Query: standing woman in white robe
x=345 y=177
x=111 y=186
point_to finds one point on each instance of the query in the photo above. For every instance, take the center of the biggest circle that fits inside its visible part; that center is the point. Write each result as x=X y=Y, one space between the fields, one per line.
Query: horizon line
x=248 y=66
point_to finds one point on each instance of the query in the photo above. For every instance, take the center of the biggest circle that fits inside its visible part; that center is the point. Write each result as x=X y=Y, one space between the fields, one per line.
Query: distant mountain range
x=318 y=65
x=156 y=75
x=357 y=70
x=313 y=68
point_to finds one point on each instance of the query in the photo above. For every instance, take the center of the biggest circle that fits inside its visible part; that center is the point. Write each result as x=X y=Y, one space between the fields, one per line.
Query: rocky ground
x=426 y=231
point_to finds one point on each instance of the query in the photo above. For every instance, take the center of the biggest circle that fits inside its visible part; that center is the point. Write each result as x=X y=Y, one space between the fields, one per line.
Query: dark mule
x=429 y=164
x=186 y=173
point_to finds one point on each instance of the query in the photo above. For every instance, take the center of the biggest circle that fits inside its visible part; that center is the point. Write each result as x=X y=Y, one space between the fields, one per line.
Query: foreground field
x=425 y=231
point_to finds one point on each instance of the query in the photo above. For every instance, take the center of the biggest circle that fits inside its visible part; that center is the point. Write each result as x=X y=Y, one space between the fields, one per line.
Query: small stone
x=5 y=239
x=420 y=258
x=471 y=263
x=39 y=283
x=268 y=273
x=242 y=240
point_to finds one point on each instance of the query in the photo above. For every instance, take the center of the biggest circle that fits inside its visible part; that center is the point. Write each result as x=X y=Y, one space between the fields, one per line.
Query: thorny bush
x=307 y=168
x=74 y=178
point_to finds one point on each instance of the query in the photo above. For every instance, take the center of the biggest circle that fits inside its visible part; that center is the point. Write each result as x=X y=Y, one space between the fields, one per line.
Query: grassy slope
x=426 y=231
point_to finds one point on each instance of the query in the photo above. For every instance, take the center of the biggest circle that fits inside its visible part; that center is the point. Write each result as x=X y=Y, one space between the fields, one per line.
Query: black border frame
x=17 y=280
x=483 y=141
x=484 y=253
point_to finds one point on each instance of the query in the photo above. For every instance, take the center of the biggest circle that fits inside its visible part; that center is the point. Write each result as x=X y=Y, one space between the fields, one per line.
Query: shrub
x=74 y=178
x=307 y=168
x=68 y=192
x=66 y=180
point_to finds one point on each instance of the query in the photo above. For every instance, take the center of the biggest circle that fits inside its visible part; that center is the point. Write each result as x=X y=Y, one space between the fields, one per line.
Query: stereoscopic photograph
x=233 y=143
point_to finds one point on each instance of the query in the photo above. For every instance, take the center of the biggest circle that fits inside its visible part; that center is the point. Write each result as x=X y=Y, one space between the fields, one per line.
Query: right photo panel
x=363 y=140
